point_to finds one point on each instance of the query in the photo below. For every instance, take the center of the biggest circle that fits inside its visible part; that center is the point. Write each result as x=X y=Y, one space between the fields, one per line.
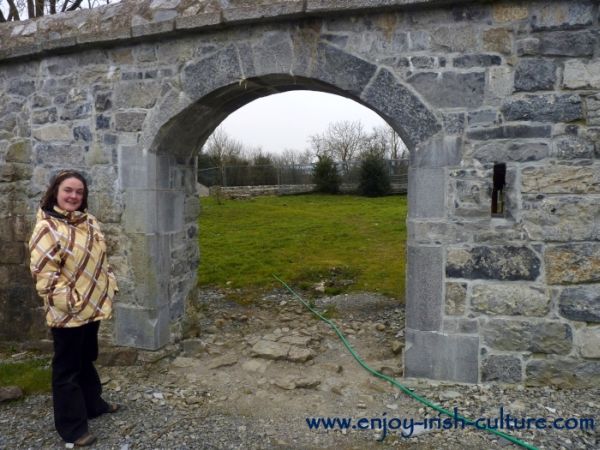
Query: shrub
x=374 y=176
x=326 y=176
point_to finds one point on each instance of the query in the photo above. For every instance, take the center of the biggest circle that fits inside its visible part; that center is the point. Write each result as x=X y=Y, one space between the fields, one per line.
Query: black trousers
x=76 y=387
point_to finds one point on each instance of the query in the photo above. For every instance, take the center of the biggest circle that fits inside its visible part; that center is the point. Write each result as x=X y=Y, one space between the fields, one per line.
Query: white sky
x=281 y=121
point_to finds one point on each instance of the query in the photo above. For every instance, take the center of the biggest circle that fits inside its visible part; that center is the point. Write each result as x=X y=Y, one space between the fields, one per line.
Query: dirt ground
x=254 y=375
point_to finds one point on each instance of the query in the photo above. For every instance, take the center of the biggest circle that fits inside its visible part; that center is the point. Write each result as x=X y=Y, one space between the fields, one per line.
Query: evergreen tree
x=374 y=177
x=326 y=176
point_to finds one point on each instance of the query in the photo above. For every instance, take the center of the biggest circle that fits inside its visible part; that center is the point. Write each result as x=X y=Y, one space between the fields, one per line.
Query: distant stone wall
x=126 y=93
x=257 y=191
x=286 y=189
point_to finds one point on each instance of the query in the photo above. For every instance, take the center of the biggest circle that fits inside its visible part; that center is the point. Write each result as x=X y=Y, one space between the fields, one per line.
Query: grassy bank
x=31 y=376
x=354 y=243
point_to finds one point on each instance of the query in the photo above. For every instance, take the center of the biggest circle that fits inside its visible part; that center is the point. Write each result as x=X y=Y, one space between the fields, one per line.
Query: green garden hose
x=403 y=388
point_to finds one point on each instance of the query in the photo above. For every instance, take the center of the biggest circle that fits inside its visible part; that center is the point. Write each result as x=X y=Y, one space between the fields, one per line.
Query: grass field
x=31 y=376
x=305 y=239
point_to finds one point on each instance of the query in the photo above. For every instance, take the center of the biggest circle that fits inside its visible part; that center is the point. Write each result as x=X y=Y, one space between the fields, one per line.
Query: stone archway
x=479 y=91
x=170 y=151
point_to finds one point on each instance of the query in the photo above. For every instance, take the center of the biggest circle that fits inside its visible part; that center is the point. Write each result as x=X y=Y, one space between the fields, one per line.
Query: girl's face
x=70 y=194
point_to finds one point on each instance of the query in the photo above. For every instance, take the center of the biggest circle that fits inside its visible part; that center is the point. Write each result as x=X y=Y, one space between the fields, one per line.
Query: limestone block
x=580 y=303
x=510 y=132
x=53 y=133
x=534 y=74
x=544 y=108
x=75 y=110
x=592 y=103
x=12 y=252
x=19 y=152
x=59 y=155
x=456 y=298
x=577 y=262
x=527 y=335
x=510 y=300
x=440 y=151
x=419 y=40
x=402 y=107
x=560 y=218
x=15 y=172
x=170 y=211
x=450 y=89
x=497 y=40
x=201 y=20
x=424 y=288
x=441 y=356
x=572 y=147
x=509 y=263
x=454 y=123
x=507 y=151
x=426 y=192
x=482 y=117
x=459 y=39
x=136 y=94
x=21 y=87
x=439 y=231
x=572 y=14
x=141 y=327
x=129 y=121
x=589 y=342
x=150 y=262
x=460 y=325
x=273 y=53
x=137 y=169
x=561 y=179
x=44 y=116
x=502 y=368
x=217 y=70
x=139 y=215
x=342 y=69
x=581 y=74
x=564 y=372
x=469 y=196
x=509 y=13
x=476 y=60
x=566 y=43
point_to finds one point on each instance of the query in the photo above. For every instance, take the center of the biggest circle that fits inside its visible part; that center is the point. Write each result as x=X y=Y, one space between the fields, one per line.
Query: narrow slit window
x=499 y=183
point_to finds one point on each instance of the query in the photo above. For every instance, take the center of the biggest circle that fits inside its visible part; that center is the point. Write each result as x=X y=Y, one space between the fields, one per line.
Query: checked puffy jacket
x=70 y=268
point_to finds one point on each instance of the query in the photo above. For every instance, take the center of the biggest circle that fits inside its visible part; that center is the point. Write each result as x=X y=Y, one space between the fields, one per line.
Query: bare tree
x=222 y=149
x=342 y=141
x=15 y=10
x=385 y=136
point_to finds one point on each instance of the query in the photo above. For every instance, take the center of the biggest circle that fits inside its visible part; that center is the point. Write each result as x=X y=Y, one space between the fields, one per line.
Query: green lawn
x=305 y=239
x=31 y=376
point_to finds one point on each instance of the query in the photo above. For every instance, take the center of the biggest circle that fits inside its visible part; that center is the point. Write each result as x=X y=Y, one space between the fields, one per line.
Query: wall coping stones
x=121 y=22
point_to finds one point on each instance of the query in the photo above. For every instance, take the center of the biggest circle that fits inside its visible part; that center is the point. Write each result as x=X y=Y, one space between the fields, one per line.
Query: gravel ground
x=222 y=393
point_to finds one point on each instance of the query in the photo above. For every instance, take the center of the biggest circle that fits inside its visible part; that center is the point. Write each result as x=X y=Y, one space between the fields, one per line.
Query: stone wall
x=128 y=93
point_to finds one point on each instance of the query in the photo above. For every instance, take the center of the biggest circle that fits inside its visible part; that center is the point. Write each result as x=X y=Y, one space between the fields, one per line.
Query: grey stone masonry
x=498 y=103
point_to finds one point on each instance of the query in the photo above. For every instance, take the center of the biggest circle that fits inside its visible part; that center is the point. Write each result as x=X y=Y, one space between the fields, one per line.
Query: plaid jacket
x=70 y=269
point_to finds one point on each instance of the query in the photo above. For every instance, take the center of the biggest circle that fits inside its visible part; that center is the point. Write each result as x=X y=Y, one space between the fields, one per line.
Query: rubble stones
x=9 y=393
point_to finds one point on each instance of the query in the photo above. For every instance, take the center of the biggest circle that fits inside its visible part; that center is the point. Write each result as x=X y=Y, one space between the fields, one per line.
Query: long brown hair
x=49 y=201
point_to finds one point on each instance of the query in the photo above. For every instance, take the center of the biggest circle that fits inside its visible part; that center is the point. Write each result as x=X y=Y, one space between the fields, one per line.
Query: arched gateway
x=497 y=101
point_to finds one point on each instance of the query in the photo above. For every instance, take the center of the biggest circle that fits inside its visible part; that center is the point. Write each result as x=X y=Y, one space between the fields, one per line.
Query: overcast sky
x=281 y=121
